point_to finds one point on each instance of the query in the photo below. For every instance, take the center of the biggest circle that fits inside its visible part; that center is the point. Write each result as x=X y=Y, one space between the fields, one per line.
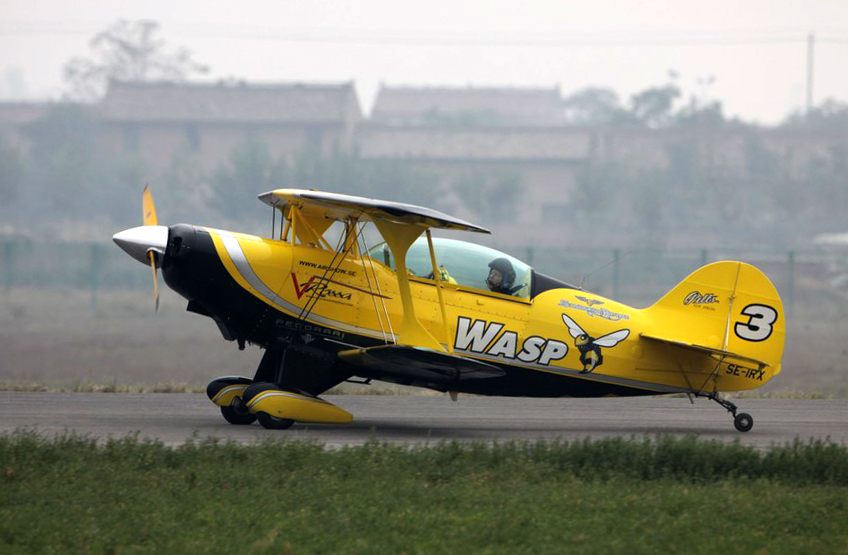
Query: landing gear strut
x=742 y=421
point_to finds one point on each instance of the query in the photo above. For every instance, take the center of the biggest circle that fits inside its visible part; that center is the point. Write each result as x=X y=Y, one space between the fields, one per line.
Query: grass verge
x=111 y=386
x=71 y=494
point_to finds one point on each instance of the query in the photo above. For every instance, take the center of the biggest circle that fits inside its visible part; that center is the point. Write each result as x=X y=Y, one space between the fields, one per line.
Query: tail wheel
x=274 y=423
x=233 y=416
x=743 y=422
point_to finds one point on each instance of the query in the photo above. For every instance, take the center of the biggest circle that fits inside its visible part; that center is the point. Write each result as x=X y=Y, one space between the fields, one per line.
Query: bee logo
x=589 y=347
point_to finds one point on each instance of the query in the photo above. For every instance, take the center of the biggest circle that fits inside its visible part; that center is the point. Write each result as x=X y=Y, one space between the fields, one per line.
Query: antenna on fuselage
x=615 y=258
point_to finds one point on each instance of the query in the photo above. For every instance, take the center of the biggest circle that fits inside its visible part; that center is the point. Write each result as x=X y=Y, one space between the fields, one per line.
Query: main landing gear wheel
x=743 y=421
x=233 y=416
x=237 y=413
x=274 y=423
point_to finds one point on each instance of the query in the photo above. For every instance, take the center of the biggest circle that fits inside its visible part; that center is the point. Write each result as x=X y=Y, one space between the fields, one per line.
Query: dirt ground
x=61 y=338
x=67 y=340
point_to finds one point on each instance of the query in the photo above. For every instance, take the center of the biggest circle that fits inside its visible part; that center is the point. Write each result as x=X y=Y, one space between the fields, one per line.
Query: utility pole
x=811 y=41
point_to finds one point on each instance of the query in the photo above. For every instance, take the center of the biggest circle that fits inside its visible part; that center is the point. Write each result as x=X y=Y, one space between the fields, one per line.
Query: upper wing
x=612 y=339
x=336 y=206
x=575 y=330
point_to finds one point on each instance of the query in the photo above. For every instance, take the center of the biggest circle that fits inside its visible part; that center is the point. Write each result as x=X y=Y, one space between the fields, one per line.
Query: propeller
x=148 y=208
x=146 y=243
x=149 y=218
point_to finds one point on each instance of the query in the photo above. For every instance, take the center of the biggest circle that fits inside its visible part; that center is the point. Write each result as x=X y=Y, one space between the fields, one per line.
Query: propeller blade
x=149 y=216
x=148 y=208
x=155 y=279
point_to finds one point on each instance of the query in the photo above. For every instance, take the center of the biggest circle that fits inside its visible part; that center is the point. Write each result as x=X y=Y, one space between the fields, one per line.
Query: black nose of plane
x=181 y=244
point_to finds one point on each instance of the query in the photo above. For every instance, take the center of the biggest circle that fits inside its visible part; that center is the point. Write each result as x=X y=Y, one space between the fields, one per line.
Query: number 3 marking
x=758 y=327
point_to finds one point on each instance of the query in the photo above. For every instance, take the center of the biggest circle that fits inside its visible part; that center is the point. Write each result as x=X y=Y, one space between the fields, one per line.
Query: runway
x=175 y=418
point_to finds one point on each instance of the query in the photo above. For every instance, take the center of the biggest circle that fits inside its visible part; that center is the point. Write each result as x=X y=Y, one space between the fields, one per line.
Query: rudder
x=727 y=306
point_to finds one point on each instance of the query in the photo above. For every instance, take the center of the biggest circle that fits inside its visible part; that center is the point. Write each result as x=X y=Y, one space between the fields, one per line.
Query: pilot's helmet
x=503 y=266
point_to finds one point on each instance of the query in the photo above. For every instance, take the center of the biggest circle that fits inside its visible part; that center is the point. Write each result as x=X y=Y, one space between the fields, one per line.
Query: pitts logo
x=589 y=347
x=482 y=338
x=315 y=285
x=695 y=297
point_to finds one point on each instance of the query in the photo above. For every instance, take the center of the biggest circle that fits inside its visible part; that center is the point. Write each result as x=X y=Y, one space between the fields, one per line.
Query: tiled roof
x=230 y=103
x=561 y=144
x=471 y=106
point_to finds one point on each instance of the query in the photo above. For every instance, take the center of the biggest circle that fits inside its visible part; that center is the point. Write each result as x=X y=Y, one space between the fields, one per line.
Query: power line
x=382 y=38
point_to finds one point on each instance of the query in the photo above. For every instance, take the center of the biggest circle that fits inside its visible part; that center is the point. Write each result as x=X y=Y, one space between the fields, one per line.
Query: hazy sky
x=756 y=50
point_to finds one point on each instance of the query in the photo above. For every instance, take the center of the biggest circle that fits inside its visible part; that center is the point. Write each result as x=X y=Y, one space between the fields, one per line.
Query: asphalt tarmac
x=175 y=418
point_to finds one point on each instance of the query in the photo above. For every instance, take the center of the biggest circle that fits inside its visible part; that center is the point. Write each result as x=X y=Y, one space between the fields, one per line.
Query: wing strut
x=366 y=265
x=438 y=278
x=345 y=246
x=399 y=237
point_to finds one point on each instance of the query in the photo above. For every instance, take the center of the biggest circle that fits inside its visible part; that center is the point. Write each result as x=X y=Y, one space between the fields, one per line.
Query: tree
x=825 y=179
x=490 y=194
x=186 y=190
x=594 y=106
x=647 y=194
x=64 y=156
x=71 y=175
x=598 y=185
x=653 y=107
x=831 y=113
x=251 y=170
x=11 y=172
x=696 y=115
x=126 y=51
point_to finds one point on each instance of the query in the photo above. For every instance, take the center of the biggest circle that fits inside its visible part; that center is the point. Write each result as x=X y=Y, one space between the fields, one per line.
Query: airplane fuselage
x=309 y=300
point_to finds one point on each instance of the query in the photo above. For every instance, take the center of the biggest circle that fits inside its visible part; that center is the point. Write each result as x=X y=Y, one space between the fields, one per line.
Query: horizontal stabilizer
x=419 y=364
x=723 y=356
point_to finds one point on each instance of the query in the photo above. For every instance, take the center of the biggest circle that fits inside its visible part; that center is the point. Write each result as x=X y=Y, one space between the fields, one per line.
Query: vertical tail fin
x=725 y=306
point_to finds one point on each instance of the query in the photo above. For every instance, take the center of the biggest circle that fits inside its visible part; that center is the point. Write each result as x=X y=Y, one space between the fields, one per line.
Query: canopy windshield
x=464 y=264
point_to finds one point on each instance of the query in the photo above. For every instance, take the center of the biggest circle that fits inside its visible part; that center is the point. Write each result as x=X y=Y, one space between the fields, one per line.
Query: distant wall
x=212 y=144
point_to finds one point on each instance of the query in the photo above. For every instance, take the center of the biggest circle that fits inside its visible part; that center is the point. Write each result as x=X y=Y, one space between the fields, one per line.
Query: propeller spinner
x=146 y=243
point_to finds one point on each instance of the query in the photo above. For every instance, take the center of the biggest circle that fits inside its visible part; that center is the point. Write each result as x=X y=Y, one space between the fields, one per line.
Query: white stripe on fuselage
x=243 y=267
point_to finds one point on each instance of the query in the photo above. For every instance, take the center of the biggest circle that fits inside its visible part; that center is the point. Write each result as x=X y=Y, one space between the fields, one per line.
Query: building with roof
x=15 y=116
x=480 y=143
x=460 y=132
x=468 y=106
x=545 y=159
x=159 y=119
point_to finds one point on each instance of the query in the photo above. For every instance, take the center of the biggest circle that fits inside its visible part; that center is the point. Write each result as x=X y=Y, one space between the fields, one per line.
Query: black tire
x=743 y=422
x=237 y=418
x=273 y=423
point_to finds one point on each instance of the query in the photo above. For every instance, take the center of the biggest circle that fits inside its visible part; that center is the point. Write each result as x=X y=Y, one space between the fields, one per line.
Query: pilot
x=501 y=276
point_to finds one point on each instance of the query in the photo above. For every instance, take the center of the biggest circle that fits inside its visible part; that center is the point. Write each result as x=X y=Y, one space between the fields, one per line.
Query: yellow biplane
x=444 y=314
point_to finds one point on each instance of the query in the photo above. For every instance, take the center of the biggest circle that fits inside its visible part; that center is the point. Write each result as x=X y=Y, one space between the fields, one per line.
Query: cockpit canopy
x=464 y=264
